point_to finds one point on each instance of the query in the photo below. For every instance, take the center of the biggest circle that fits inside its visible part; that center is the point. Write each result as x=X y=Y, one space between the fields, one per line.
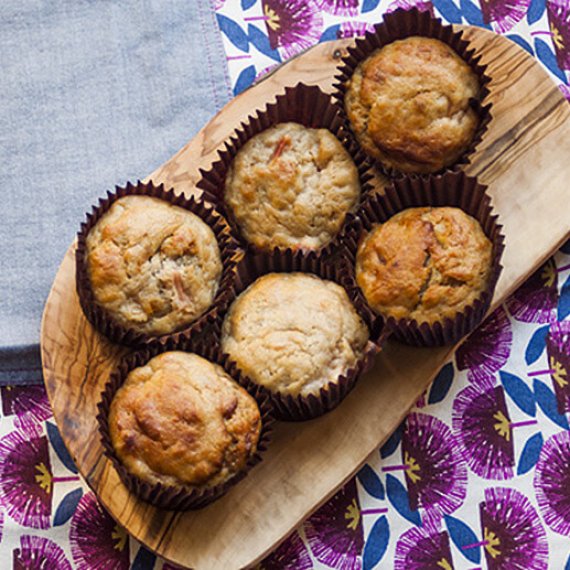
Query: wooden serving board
x=524 y=158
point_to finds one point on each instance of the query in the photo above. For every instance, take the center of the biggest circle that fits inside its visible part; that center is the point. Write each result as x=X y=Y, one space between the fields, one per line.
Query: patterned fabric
x=260 y=34
x=478 y=476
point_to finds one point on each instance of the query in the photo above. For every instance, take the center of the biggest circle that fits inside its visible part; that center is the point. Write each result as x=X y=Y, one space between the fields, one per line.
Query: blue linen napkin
x=92 y=94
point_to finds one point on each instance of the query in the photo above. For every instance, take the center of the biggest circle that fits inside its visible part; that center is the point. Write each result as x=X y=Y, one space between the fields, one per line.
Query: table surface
x=504 y=368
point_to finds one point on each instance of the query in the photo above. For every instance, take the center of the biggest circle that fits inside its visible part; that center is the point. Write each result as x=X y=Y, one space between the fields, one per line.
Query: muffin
x=291 y=187
x=410 y=105
x=294 y=333
x=424 y=264
x=181 y=421
x=152 y=266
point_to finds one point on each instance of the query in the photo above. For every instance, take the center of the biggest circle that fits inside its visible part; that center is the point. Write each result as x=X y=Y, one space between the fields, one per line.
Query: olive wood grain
x=524 y=157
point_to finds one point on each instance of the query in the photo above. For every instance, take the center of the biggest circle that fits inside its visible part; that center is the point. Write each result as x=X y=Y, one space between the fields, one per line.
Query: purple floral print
x=37 y=553
x=482 y=422
x=335 y=532
x=504 y=14
x=26 y=480
x=558 y=351
x=423 y=547
x=535 y=300
x=435 y=472
x=96 y=540
x=27 y=403
x=354 y=29
x=292 y=25
x=513 y=536
x=559 y=22
x=291 y=555
x=552 y=482
x=408 y=4
x=565 y=91
x=339 y=7
x=487 y=349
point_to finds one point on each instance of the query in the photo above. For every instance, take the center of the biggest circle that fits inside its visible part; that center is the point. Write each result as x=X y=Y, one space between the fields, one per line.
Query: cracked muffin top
x=424 y=264
x=154 y=267
x=180 y=420
x=291 y=187
x=294 y=333
x=409 y=104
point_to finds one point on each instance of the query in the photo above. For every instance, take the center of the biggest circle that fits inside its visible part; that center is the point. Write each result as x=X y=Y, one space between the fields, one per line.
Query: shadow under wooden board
x=524 y=158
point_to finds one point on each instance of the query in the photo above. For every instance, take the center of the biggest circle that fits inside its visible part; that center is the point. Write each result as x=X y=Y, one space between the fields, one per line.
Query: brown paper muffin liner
x=298 y=408
x=164 y=496
x=401 y=24
x=449 y=189
x=302 y=104
x=230 y=252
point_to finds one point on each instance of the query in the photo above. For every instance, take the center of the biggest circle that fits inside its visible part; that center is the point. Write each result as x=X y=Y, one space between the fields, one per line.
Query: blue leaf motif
x=398 y=497
x=247 y=4
x=448 y=10
x=530 y=453
x=59 y=447
x=535 y=11
x=261 y=42
x=67 y=507
x=519 y=392
x=441 y=384
x=462 y=535
x=376 y=543
x=371 y=482
x=564 y=301
x=233 y=32
x=567 y=567
x=521 y=42
x=392 y=442
x=245 y=79
x=547 y=57
x=536 y=345
x=547 y=401
x=331 y=33
x=144 y=560
x=369 y=5
x=566 y=247
x=472 y=14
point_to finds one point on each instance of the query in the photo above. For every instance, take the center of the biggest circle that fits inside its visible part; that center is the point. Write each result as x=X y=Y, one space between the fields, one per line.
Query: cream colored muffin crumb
x=291 y=187
x=294 y=333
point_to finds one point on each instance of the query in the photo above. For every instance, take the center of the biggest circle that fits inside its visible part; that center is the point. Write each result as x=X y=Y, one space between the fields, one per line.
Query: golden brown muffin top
x=424 y=264
x=180 y=420
x=294 y=333
x=291 y=186
x=409 y=104
x=153 y=266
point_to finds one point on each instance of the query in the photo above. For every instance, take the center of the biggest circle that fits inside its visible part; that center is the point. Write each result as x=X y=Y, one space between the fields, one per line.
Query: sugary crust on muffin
x=424 y=264
x=409 y=105
x=181 y=421
x=291 y=186
x=294 y=333
x=153 y=266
